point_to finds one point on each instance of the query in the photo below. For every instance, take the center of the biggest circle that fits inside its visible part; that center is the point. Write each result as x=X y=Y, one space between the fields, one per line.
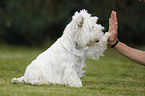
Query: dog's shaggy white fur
x=62 y=63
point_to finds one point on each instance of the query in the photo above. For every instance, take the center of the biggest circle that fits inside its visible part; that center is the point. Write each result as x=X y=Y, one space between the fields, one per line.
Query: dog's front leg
x=95 y=50
x=104 y=40
x=71 y=78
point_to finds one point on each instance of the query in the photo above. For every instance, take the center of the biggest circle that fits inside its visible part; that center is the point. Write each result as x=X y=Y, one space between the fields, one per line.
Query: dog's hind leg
x=18 y=80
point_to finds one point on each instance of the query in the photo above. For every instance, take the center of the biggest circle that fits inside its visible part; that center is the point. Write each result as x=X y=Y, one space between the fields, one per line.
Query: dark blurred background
x=35 y=22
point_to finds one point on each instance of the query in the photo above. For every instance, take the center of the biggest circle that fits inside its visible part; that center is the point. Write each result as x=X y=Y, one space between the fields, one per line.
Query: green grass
x=112 y=75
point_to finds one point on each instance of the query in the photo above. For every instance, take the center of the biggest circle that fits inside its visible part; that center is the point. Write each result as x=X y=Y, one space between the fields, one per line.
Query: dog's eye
x=97 y=41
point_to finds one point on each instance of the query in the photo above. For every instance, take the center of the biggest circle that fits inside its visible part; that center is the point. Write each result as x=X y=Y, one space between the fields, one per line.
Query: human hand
x=113 y=28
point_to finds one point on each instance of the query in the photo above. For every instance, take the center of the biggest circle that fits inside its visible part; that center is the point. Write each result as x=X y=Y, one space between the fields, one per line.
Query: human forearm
x=135 y=55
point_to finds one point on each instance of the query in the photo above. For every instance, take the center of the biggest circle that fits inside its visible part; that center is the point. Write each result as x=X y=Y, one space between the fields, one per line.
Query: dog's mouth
x=92 y=43
x=95 y=41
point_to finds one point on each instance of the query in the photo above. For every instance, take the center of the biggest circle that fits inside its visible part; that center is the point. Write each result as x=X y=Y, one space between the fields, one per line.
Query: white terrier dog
x=62 y=63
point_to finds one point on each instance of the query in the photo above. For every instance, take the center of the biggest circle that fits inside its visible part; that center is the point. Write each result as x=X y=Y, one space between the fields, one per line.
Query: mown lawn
x=112 y=75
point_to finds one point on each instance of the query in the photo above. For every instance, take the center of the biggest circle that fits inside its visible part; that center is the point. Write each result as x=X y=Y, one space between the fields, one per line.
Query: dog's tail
x=18 y=80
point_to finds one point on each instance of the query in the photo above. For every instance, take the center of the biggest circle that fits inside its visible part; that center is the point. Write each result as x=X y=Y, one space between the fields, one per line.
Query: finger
x=110 y=21
x=115 y=29
x=115 y=16
x=112 y=14
x=116 y=24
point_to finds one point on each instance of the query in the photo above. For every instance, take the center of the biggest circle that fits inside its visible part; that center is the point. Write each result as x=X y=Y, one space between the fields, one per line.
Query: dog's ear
x=79 y=19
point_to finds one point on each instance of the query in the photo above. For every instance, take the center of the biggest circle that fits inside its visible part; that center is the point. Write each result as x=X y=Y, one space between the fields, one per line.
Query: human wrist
x=114 y=43
x=111 y=42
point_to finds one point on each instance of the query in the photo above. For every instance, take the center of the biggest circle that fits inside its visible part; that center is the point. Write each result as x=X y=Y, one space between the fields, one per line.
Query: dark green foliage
x=33 y=22
x=131 y=21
